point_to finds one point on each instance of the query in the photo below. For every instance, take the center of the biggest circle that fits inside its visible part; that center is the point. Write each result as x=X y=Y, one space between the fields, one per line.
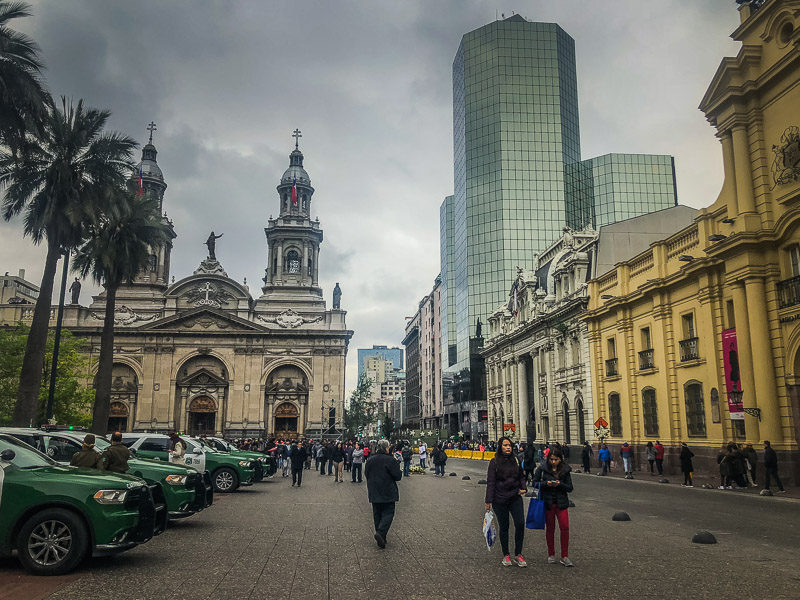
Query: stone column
x=766 y=390
x=522 y=383
x=535 y=378
x=729 y=169
x=743 y=166
x=503 y=403
x=741 y=310
x=279 y=255
x=268 y=424
x=315 y=279
x=304 y=268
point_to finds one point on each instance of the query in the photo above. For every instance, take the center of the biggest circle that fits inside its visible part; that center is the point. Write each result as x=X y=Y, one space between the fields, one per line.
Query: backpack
x=321 y=452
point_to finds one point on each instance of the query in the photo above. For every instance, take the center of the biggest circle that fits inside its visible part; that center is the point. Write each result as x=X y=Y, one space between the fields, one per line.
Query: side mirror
x=133 y=452
x=8 y=455
x=197 y=451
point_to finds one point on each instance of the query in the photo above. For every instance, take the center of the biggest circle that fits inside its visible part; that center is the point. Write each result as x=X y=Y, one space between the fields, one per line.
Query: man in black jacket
x=298 y=458
x=771 y=467
x=383 y=473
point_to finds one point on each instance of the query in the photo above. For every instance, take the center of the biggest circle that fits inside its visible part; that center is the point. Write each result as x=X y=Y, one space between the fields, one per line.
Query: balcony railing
x=611 y=367
x=689 y=349
x=789 y=292
x=646 y=359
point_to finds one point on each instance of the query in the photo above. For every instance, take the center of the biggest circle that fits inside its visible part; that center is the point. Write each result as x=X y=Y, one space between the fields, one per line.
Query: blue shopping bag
x=535 y=518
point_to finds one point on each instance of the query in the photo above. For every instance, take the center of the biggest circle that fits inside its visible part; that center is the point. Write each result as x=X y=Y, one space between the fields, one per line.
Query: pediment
x=731 y=75
x=203 y=320
x=208 y=290
x=203 y=377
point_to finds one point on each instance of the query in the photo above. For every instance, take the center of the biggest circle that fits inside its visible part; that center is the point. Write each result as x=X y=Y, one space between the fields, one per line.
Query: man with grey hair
x=383 y=473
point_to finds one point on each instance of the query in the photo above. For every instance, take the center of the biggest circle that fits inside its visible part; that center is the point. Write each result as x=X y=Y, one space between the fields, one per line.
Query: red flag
x=140 y=179
x=294 y=190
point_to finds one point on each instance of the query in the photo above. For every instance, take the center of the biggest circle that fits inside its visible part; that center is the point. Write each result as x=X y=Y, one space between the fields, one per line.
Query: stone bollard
x=765 y=493
x=704 y=537
x=621 y=516
x=481 y=482
x=465 y=478
x=707 y=486
x=665 y=480
x=452 y=475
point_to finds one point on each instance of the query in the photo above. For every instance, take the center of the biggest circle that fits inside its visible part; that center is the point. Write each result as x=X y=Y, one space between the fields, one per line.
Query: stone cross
x=151 y=128
x=296 y=135
x=207 y=289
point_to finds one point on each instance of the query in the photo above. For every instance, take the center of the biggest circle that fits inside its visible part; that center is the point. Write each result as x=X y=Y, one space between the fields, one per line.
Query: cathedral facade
x=203 y=355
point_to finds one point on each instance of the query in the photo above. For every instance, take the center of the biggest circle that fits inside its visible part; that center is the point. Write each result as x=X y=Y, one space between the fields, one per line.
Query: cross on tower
x=207 y=289
x=151 y=128
x=296 y=135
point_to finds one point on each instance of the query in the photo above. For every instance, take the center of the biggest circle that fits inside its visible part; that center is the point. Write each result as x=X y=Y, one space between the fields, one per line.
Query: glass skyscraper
x=518 y=174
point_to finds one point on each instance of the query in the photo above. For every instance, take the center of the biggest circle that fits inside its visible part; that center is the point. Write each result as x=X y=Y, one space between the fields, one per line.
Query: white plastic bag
x=489 y=529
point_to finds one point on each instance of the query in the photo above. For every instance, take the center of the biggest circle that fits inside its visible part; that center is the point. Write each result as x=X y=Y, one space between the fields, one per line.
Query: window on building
x=731 y=314
x=612 y=348
x=650 y=412
x=687 y=321
x=561 y=356
x=647 y=343
x=615 y=414
x=576 y=352
x=794 y=258
x=695 y=409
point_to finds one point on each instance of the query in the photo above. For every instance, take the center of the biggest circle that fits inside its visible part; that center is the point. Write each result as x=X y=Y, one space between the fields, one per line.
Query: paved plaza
x=275 y=541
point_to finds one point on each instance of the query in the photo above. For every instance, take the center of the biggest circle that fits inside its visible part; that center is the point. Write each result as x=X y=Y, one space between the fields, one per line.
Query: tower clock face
x=294 y=266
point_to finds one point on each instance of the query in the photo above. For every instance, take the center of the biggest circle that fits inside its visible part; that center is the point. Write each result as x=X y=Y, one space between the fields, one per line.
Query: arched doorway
x=565 y=417
x=286 y=416
x=118 y=417
x=581 y=423
x=202 y=416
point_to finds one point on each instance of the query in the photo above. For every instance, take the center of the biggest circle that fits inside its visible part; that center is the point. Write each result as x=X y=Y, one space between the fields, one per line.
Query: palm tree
x=23 y=97
x=58 y=178
x=122 y=237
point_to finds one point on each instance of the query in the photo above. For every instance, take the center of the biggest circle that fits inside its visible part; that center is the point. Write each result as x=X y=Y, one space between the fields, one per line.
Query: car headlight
x=110 y=496
x=263 y=459
x=176 y=479
x=245 y=464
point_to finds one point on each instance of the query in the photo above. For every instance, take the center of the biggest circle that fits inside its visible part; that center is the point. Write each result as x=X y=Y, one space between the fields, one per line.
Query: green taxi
x=54 y=516
x=228 y=472
x=186 y=491
x=269 y=465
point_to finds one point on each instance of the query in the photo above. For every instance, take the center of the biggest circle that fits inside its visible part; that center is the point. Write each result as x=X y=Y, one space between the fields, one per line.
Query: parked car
x=228 y=472
x=268 y=463
x=54 y=516
x=186 y=491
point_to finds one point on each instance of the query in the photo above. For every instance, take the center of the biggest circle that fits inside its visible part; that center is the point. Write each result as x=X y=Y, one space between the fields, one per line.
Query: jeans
x=382 y=516
x=515 y=508
x=406 y=468
x=628 y=462
x=606 y=466
x=660 y=465
x=297 y=475
x=438 y=469
x=322 y=462
x=357 y=472
x=550 y=530
x=422 y=462
x=339 y=470
x=769 y=473
x=652 y=462
x=330 y=467
x=687 y=478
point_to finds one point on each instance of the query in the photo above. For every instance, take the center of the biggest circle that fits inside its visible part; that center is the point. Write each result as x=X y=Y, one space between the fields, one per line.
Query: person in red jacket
x=659 y=457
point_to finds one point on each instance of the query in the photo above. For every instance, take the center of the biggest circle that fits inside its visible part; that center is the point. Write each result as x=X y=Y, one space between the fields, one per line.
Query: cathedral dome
x=148 y=164
x=296 y=170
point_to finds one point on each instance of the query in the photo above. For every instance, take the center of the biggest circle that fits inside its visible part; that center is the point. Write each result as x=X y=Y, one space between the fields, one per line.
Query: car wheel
x=52 y=542
x=225 y=480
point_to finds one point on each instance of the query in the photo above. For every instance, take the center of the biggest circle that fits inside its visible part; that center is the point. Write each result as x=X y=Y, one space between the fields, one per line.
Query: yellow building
x=697 y=339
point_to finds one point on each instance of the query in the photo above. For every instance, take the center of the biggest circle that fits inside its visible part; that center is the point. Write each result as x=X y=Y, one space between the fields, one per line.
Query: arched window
x=581 y=424
x=650 y=411
x=695 y=409
x=304 y=204
x=285 y=201
x=293 y=262
x=565 y=416
x=615 y=414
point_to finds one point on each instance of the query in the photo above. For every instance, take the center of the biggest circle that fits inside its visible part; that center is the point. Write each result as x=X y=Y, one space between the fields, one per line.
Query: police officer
x=87 y=456
x=116 y=456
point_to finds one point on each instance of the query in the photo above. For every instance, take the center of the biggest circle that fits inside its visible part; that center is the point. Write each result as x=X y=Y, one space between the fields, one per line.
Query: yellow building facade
x=697 y=339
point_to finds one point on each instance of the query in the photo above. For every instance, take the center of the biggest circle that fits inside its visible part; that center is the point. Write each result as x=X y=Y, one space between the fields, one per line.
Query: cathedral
x=202 y=355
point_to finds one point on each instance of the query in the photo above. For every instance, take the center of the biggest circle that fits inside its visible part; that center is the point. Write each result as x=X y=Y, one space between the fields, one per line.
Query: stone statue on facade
x=75 y=290
x=337 y=296
x=568 y=238
x=211 y=243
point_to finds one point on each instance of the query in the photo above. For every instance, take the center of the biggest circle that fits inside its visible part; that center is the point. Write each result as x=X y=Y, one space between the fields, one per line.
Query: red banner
x=733 y=376
x=509 y=427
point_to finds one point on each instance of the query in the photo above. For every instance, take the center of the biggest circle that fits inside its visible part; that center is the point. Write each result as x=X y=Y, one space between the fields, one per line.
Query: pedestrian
x=358 y=462
x=505 y=487
x=87 y=456
x=116 y=456
x=724 y=469
x=752 y=462
x=177 y=449
x=771 y=467
x=686 y=465
x=348 y=456
x=604 y=456
x=529 y=461
x=329 y=457
x=659 y=457
x=337 y=456
x=439 y=460
x=298 y=457
x=307 y=446
x=650 y=452
x=541 y=453
x=556 y=480
x=738 y=466
x=383 y=473
x=423 y=453
x=287 y=458
x=565 y=452
x=626 y=454
x=406 y=454
x=323 y=457
x=586 y=457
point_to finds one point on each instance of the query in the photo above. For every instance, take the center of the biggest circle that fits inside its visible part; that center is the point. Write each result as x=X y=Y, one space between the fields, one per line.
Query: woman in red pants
x=556 y=482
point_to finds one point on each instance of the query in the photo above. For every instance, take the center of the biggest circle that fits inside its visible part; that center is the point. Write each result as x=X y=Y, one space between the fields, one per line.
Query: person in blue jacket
x=604 y=456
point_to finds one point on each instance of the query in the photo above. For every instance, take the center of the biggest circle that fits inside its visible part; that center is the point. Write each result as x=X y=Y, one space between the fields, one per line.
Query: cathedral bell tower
x=293 y=240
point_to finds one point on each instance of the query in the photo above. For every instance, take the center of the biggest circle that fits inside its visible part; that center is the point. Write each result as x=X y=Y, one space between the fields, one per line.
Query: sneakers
x=781 y=491
x=730 y=487
x=379 y=539
x=551 y=560
x=722 y=487
x=566 y=562
x=521 y=561
x=507 y=561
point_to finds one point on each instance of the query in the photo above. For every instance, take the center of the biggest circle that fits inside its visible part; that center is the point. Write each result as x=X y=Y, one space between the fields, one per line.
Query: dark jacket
x=625 y=451
x=686 y=460
x=565 y=452
x=327 y=452
x=88 y=458
x=406 y=453
x=439 y=457
x=770 y=458
x=298 y=456
x=724 y=464
x=338 y=455
x=554 y=494
x=530 y=457
x=586 y=454
x=502 y=489
x=751 y=456
x=737 y=466
x=115 y=458
x=382 y=473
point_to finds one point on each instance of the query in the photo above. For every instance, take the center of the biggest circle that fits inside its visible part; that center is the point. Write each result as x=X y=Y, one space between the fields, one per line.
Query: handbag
x=489 y=529
x=536 y=517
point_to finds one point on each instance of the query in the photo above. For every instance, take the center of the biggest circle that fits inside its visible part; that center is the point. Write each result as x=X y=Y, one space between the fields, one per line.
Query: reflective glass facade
x=447 y=253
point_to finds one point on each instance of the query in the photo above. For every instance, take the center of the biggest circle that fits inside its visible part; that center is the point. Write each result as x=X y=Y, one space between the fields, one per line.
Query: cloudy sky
x=369 y=84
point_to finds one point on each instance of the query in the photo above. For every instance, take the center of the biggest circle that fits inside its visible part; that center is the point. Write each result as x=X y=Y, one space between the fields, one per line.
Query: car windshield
x=26 y=457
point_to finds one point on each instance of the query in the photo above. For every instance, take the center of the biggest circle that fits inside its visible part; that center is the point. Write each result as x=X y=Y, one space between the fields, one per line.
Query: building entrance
x=202 y=416
x=286 y=416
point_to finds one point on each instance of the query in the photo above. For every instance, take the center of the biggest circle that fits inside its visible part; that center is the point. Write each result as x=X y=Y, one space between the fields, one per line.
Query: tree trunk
x=102 y=385
x=30 y=380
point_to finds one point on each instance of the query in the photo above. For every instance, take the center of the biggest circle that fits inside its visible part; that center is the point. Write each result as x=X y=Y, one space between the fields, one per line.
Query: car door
x=60 y=448
x=192 y=459
x=152 y=447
